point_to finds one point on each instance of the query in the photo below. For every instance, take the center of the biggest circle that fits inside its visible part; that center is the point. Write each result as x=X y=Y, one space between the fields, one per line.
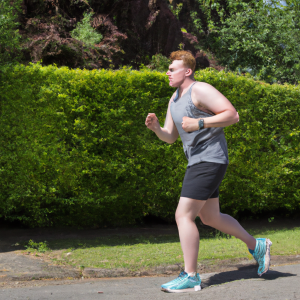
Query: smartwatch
x=201 y=124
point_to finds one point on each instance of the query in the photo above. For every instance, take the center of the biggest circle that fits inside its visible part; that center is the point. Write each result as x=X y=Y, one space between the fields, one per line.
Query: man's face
x=177 y=73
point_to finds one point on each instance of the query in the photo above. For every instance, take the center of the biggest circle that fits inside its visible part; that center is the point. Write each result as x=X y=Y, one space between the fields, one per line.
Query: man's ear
x=188 y=72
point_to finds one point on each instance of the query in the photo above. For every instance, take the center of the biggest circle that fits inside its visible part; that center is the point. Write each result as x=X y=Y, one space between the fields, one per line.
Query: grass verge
x=136 y=252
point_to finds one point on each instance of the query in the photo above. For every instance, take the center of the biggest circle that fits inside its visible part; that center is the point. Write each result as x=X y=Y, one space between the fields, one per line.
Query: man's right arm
x=168 y=133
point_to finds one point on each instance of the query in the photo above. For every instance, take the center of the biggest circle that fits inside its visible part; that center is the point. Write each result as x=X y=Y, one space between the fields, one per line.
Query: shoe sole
x=267 y=257
x=196 y=288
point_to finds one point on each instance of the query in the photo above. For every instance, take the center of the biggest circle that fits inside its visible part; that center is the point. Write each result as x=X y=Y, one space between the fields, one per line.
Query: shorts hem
x=191 y=197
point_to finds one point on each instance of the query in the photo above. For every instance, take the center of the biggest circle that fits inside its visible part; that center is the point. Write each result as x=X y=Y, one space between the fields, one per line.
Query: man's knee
x=178 y=215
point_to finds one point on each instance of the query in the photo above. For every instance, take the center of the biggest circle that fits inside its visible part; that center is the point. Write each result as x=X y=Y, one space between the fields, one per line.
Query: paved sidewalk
x=279 y=283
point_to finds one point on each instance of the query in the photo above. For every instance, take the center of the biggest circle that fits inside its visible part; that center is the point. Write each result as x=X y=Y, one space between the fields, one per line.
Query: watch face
x=202 y=123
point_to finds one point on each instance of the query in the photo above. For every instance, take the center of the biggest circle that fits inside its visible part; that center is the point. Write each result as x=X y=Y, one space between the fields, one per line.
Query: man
x=198 y=112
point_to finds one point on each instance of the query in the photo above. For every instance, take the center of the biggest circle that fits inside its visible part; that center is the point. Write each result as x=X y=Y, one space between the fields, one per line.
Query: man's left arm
x=206 y=96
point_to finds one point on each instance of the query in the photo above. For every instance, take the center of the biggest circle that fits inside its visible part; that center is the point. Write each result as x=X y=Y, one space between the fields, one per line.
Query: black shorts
x=201 y=181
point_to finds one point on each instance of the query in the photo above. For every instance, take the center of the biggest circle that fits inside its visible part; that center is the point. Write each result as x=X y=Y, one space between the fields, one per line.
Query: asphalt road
x=281 y=282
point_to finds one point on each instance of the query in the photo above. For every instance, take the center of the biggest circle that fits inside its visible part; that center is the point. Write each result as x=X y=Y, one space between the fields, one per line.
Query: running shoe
x=185 y=284
x=181 y=276
x=262 y=255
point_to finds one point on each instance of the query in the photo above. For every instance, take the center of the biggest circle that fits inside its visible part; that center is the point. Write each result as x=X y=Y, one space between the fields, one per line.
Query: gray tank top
x=205 y=145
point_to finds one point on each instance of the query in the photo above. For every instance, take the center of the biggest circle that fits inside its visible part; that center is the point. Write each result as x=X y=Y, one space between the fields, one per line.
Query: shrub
x=264 y=169
x=85 y=33
x=74 y=149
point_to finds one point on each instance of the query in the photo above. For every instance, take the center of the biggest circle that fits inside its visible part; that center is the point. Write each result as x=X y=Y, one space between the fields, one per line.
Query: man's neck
x=186 y=84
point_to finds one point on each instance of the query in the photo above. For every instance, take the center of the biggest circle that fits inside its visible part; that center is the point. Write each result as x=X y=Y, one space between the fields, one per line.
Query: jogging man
x=198 y=112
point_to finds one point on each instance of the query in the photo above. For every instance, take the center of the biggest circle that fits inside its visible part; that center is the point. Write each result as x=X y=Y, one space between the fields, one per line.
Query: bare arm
x=206 y=97
x=169 y=132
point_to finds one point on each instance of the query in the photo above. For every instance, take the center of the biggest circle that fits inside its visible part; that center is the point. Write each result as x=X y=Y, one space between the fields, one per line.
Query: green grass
x=138 y=252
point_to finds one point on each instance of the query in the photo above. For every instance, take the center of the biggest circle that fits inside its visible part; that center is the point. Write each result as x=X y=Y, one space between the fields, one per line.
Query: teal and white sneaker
x=184 y=284
x=181 y=276
x=262 y=255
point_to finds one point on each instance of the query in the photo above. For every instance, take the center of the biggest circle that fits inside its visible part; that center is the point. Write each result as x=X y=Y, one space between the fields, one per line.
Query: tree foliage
x=9 y=33
x=260 y=37
x=264 y=40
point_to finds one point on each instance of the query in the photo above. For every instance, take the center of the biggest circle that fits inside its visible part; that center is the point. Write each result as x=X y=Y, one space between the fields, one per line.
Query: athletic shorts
x=201 y=181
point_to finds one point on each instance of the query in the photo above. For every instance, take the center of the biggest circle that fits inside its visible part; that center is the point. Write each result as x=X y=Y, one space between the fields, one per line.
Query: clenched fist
x=189 y=124
x=152 y=122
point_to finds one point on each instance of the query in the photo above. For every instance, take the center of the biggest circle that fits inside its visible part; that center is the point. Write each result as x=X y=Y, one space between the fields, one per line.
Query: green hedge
x=74 y=149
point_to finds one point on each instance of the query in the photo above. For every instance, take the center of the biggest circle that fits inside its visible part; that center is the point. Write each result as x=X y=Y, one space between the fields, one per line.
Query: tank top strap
x=177 y=95
x=190 y=90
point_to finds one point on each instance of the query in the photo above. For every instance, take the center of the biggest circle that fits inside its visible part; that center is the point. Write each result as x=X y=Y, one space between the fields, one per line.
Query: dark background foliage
x=246 y=36
x=133 y=31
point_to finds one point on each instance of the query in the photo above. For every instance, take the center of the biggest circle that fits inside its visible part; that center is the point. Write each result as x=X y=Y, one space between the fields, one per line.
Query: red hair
x=188 y=59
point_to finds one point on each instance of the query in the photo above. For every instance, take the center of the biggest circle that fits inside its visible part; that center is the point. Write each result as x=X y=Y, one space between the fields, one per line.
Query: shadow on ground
x=242 y=273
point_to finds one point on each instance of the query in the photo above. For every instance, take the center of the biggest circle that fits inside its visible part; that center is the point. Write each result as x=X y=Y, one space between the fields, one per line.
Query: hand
x=152 y=122
x=189 y=124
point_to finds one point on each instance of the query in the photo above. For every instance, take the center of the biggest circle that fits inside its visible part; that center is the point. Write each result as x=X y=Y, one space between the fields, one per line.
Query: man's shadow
x=243 y=272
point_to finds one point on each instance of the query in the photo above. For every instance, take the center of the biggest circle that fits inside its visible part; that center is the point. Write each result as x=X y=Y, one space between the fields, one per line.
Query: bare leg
x=209 y=212
x=186 y=213
x=211 y=216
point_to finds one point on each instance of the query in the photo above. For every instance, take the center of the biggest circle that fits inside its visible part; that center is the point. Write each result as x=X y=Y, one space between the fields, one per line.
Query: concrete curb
x=209 y=266
x=123 y=272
